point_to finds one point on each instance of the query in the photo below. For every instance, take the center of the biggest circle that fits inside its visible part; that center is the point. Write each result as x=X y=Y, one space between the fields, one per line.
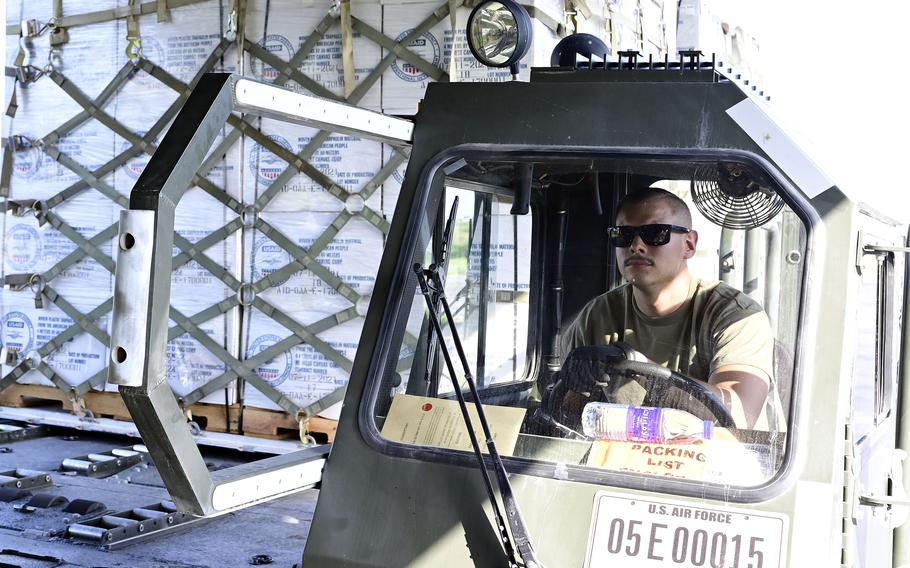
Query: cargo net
x=278 y=240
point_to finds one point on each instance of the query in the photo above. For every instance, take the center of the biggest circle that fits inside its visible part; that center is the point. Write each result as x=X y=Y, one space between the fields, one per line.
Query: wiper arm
x=431 y=287
x=442 y=264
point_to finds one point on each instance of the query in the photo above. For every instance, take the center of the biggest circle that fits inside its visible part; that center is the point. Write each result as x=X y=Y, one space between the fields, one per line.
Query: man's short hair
x=644 y=195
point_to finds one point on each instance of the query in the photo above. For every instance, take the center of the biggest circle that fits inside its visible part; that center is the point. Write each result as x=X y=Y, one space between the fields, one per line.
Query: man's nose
x=637 y=244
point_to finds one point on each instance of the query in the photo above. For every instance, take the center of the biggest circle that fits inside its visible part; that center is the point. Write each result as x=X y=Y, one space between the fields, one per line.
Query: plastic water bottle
x=623 y=422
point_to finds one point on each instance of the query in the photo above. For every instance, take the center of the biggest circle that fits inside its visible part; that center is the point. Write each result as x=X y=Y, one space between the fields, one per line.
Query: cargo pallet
x=256 y=422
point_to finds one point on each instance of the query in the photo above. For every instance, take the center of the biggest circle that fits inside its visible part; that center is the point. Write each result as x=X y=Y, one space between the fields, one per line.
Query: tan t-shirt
x=717 y=325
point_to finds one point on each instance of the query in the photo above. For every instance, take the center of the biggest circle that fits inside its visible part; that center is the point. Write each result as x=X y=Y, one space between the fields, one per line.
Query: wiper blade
x=442 y=264
x=431 y=287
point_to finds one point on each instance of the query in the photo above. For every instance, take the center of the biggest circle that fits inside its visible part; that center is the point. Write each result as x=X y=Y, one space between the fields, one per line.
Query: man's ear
x=690 y=241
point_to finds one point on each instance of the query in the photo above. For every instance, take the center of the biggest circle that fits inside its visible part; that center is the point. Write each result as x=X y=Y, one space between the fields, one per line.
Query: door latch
x=898 y=504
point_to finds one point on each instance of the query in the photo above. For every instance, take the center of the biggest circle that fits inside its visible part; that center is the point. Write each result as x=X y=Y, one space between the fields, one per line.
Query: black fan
x=734 y=195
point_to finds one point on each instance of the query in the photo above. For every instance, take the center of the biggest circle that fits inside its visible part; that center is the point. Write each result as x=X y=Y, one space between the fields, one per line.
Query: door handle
x=885 y=501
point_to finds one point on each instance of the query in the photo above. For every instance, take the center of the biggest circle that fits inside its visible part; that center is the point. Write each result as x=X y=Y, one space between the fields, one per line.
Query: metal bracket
x=59 y=36
x=19 y=207
x=25 y=479
x=18 y=282
x=630 y=55
x=131 y=298
x=105 y=464
x=862 y=249
x=14 y=433
x=878 y=249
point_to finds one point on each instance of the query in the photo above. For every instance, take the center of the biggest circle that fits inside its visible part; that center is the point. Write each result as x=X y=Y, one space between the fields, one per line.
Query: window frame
x=396 y=309
x=531 y=358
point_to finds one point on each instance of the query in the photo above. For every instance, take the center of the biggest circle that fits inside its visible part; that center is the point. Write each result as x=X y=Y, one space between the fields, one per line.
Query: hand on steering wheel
x=661 y=380
x=592 y=373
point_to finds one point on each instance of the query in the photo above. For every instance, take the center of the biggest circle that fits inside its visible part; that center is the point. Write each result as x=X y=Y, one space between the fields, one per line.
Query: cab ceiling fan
x=734 y=195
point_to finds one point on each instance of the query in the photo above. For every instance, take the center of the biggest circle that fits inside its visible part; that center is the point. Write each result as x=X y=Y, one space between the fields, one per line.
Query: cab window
x=543 y=273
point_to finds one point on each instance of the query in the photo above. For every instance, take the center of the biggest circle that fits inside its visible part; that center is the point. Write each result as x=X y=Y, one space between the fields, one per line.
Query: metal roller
x=149 y=513
x=122 y=453
x=31 y=473
x=115 y=521
x=78 y=465
x=100 y=457
x=87 y=532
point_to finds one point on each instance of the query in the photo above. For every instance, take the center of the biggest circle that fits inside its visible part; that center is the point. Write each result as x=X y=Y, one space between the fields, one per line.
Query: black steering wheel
x=591 y=373
x=661 y=379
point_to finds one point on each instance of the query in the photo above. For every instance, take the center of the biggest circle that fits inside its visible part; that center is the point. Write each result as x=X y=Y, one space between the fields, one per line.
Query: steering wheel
x=662 y=379
x=590 y=373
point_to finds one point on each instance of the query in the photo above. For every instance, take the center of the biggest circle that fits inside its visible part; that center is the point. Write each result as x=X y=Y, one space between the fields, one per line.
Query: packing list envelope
x=720 y=460
x=437 y=422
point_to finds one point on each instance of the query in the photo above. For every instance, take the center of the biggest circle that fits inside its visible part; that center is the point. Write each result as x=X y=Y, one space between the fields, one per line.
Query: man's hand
x=744 y=390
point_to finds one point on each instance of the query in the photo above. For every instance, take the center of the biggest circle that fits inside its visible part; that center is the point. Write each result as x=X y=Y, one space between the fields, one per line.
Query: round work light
x=499 y=33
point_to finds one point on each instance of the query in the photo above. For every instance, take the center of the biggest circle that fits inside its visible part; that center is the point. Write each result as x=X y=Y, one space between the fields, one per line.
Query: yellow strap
x=164 y=14
x=611 y=24
x=641 y=28
x=133 y=37
x=59 y=35
x=347 y=48
x=6 y=172
x=453 y=61
x=132 y=22
x=305 y=436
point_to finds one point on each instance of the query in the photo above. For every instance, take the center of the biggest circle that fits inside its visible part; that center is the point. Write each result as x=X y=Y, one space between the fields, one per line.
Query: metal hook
x=134 y=49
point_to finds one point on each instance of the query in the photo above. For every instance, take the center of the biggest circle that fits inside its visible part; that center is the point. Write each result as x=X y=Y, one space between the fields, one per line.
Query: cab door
x=873 y=422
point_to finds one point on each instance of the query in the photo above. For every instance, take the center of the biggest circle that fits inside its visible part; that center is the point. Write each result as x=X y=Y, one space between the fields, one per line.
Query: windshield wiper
x=442 y=264
x=431 y=287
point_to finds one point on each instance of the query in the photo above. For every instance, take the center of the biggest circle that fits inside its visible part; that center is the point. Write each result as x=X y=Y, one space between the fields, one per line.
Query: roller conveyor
x=14 y=432
x=103 y=464
x=116 y=530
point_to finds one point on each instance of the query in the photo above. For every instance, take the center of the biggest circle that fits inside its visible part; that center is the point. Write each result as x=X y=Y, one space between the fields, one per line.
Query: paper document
x=437 y=422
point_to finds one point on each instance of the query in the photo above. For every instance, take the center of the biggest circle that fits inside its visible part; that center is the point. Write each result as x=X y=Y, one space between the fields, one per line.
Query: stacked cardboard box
x=31 y=245
x=720 y=28
x=646 y=26
x=351 y=214
x=90 y=60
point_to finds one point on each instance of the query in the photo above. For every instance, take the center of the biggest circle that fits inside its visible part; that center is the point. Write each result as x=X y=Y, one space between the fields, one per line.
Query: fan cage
x=731 y=211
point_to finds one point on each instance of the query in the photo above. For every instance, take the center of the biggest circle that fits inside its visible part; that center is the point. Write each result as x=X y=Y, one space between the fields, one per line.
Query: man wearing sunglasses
x=706 y=330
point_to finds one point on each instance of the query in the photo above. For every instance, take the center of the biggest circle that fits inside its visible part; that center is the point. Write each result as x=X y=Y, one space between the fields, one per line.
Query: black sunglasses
x=653 y=235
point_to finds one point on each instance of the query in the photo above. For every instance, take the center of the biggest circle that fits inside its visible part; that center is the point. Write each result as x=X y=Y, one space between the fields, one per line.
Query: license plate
x=648 y=533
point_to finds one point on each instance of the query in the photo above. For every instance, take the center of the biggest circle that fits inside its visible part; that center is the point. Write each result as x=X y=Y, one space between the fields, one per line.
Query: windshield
x=618 y=315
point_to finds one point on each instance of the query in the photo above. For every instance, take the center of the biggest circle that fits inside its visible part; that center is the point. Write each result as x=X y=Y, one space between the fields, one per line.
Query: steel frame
x=142 y=290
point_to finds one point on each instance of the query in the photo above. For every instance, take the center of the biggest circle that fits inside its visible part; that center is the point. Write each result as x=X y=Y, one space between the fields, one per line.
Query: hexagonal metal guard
x=142 y=289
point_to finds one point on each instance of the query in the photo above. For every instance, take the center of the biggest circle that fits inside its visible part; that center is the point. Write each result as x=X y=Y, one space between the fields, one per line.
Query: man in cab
x=706 y=330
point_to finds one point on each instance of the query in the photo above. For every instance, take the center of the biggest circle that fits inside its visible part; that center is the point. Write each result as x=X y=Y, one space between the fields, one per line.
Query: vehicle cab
x=537 y=170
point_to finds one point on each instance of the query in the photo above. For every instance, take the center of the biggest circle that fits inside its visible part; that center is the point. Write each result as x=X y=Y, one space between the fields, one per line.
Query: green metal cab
x=823 y=488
